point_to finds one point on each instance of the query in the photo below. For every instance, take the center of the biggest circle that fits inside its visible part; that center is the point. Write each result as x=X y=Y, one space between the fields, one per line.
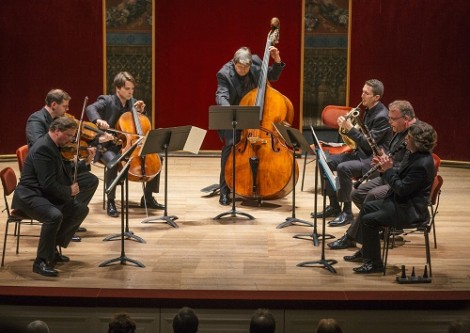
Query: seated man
x=46 y=192
x=401 y=116
x=357 y=162
x=407 y=200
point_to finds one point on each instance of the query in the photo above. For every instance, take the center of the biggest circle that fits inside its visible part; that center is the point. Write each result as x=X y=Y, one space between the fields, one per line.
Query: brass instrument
x=353 y=115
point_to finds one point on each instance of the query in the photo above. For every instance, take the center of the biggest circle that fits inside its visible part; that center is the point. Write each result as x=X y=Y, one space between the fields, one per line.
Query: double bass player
x=234 y=80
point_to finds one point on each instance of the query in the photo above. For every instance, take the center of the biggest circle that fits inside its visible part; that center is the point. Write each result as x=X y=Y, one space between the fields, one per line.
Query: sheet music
x=332 y=179
x=317 y=144
x=194 y=141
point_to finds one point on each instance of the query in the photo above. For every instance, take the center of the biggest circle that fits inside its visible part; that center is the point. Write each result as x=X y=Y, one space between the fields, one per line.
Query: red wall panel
x=46 y=44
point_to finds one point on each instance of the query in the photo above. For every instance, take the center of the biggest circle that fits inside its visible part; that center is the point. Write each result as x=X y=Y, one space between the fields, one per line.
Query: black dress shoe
x=81 y=229
x=58 y=257
x=342 y=243
x=370 y=267
x=329 y=212
x=44 y=269
x=224 y=199
x=151 y=203
x=341 y=219
x=356 y=257
x=111 y=209
x=76 y=238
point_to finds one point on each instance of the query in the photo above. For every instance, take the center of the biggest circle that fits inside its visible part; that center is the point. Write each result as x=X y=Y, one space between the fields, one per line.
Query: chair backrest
x=436 y=189
x=331 y=113
x=437 y=162
x=21 y=154
x=9 y=181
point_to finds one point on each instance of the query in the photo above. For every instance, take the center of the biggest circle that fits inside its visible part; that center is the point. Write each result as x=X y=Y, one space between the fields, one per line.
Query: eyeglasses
x=394 y=119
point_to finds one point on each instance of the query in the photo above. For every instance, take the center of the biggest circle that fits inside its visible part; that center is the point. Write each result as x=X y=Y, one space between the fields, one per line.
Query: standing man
x=234 y=80
x=46 y=192
x=105 y=113
x=357 y=162
x=37 y=125
x=407 y=200
x=401 y=116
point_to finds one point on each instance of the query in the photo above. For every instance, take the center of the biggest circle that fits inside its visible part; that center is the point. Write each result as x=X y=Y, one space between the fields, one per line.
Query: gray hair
x=243 y=56
x=405 y=107
x=377 y=86
x=37 y=326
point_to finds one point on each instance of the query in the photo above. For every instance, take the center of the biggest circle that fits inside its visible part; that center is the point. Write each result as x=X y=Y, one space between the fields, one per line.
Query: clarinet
x=375 y=167
x=365 y=130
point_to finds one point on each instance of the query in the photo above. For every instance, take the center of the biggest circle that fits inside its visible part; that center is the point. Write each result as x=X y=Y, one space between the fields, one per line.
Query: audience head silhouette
x=122 y=323
x=328 y=325
x=37 y=326
x=459 y=326
x=262 y=321
x=185 y=321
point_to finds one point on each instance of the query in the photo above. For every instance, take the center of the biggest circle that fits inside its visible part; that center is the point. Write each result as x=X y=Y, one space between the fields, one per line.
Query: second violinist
x=105 y=113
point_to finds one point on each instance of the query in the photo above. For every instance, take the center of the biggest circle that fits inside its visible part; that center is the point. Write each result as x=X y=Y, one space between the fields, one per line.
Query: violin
x=69 y=150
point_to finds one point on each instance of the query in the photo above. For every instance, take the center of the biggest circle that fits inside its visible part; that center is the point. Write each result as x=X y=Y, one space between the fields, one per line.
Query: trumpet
x=377 y=166
x=353 y=115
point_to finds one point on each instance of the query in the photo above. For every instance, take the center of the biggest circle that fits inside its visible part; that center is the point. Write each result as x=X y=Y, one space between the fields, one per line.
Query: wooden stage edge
x=230 y=298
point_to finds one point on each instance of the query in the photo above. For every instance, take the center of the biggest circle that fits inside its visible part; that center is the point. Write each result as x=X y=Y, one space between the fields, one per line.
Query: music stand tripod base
x=293 y=221
x=325 y=263
x=127 y=235
x=234 y=213
x=168 y=219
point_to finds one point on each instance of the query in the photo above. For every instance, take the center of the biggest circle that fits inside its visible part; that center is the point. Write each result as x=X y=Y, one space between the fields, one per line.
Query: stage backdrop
x=417 y=48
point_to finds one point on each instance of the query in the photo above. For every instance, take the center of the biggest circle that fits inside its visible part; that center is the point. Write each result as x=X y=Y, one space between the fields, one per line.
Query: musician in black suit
x=234 y=80
x=357 y=162
x=37 y=125
x=407 y=200
x=46 y=192
x=105 y=113
x=401 y=116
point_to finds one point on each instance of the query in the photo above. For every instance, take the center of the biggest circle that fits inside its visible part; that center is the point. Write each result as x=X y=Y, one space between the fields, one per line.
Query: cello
x=264 y=163
x=142 y=167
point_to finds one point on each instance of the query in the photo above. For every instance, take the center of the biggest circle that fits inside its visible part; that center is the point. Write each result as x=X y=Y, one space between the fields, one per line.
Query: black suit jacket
x=229 y=87
x=410 y=187
x=37 y=126
x=44 y=179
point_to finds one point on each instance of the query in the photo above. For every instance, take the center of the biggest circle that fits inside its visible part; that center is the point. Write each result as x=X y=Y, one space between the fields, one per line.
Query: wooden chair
x=422 y=226
x=9 y=182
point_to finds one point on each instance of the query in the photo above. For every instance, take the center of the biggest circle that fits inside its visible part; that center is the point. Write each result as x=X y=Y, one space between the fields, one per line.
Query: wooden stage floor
x=236 y=259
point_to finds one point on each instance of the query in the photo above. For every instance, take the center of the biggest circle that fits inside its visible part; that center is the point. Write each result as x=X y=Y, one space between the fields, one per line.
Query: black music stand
x=314 y=235
x=327 y=174
x=124 y=202
x=185 y=138
x=122 y=178
x=234 y=117
x=295 y=140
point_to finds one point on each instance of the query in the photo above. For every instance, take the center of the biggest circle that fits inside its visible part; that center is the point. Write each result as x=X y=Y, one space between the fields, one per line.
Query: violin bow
x=77 y=139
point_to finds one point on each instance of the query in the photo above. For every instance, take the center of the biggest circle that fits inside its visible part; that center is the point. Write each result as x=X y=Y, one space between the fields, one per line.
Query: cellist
x=234 y=80
x=105 y=113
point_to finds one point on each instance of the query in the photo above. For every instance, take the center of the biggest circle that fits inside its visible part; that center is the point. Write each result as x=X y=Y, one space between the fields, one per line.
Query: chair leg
x=388 y=231
x=18 y=237
x=428 y=251
x=5 y=243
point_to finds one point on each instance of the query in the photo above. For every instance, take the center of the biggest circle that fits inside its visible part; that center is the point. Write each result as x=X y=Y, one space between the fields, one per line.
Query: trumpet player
x=401 y=116
x=357 y=162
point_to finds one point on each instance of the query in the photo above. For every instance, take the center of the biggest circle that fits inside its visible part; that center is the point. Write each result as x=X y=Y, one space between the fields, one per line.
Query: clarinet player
x=401 y=116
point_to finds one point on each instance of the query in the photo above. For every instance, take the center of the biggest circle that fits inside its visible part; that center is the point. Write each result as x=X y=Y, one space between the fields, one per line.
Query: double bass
x=142 y=167
x=263 y=162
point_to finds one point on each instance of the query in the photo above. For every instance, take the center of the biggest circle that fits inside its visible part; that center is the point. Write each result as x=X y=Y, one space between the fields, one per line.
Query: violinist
x=234 y=80
x=47 y=193
x=105 y=113
x=37 y=125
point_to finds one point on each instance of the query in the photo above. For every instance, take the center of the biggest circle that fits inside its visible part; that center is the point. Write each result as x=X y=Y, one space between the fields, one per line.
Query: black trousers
x=59 y=224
